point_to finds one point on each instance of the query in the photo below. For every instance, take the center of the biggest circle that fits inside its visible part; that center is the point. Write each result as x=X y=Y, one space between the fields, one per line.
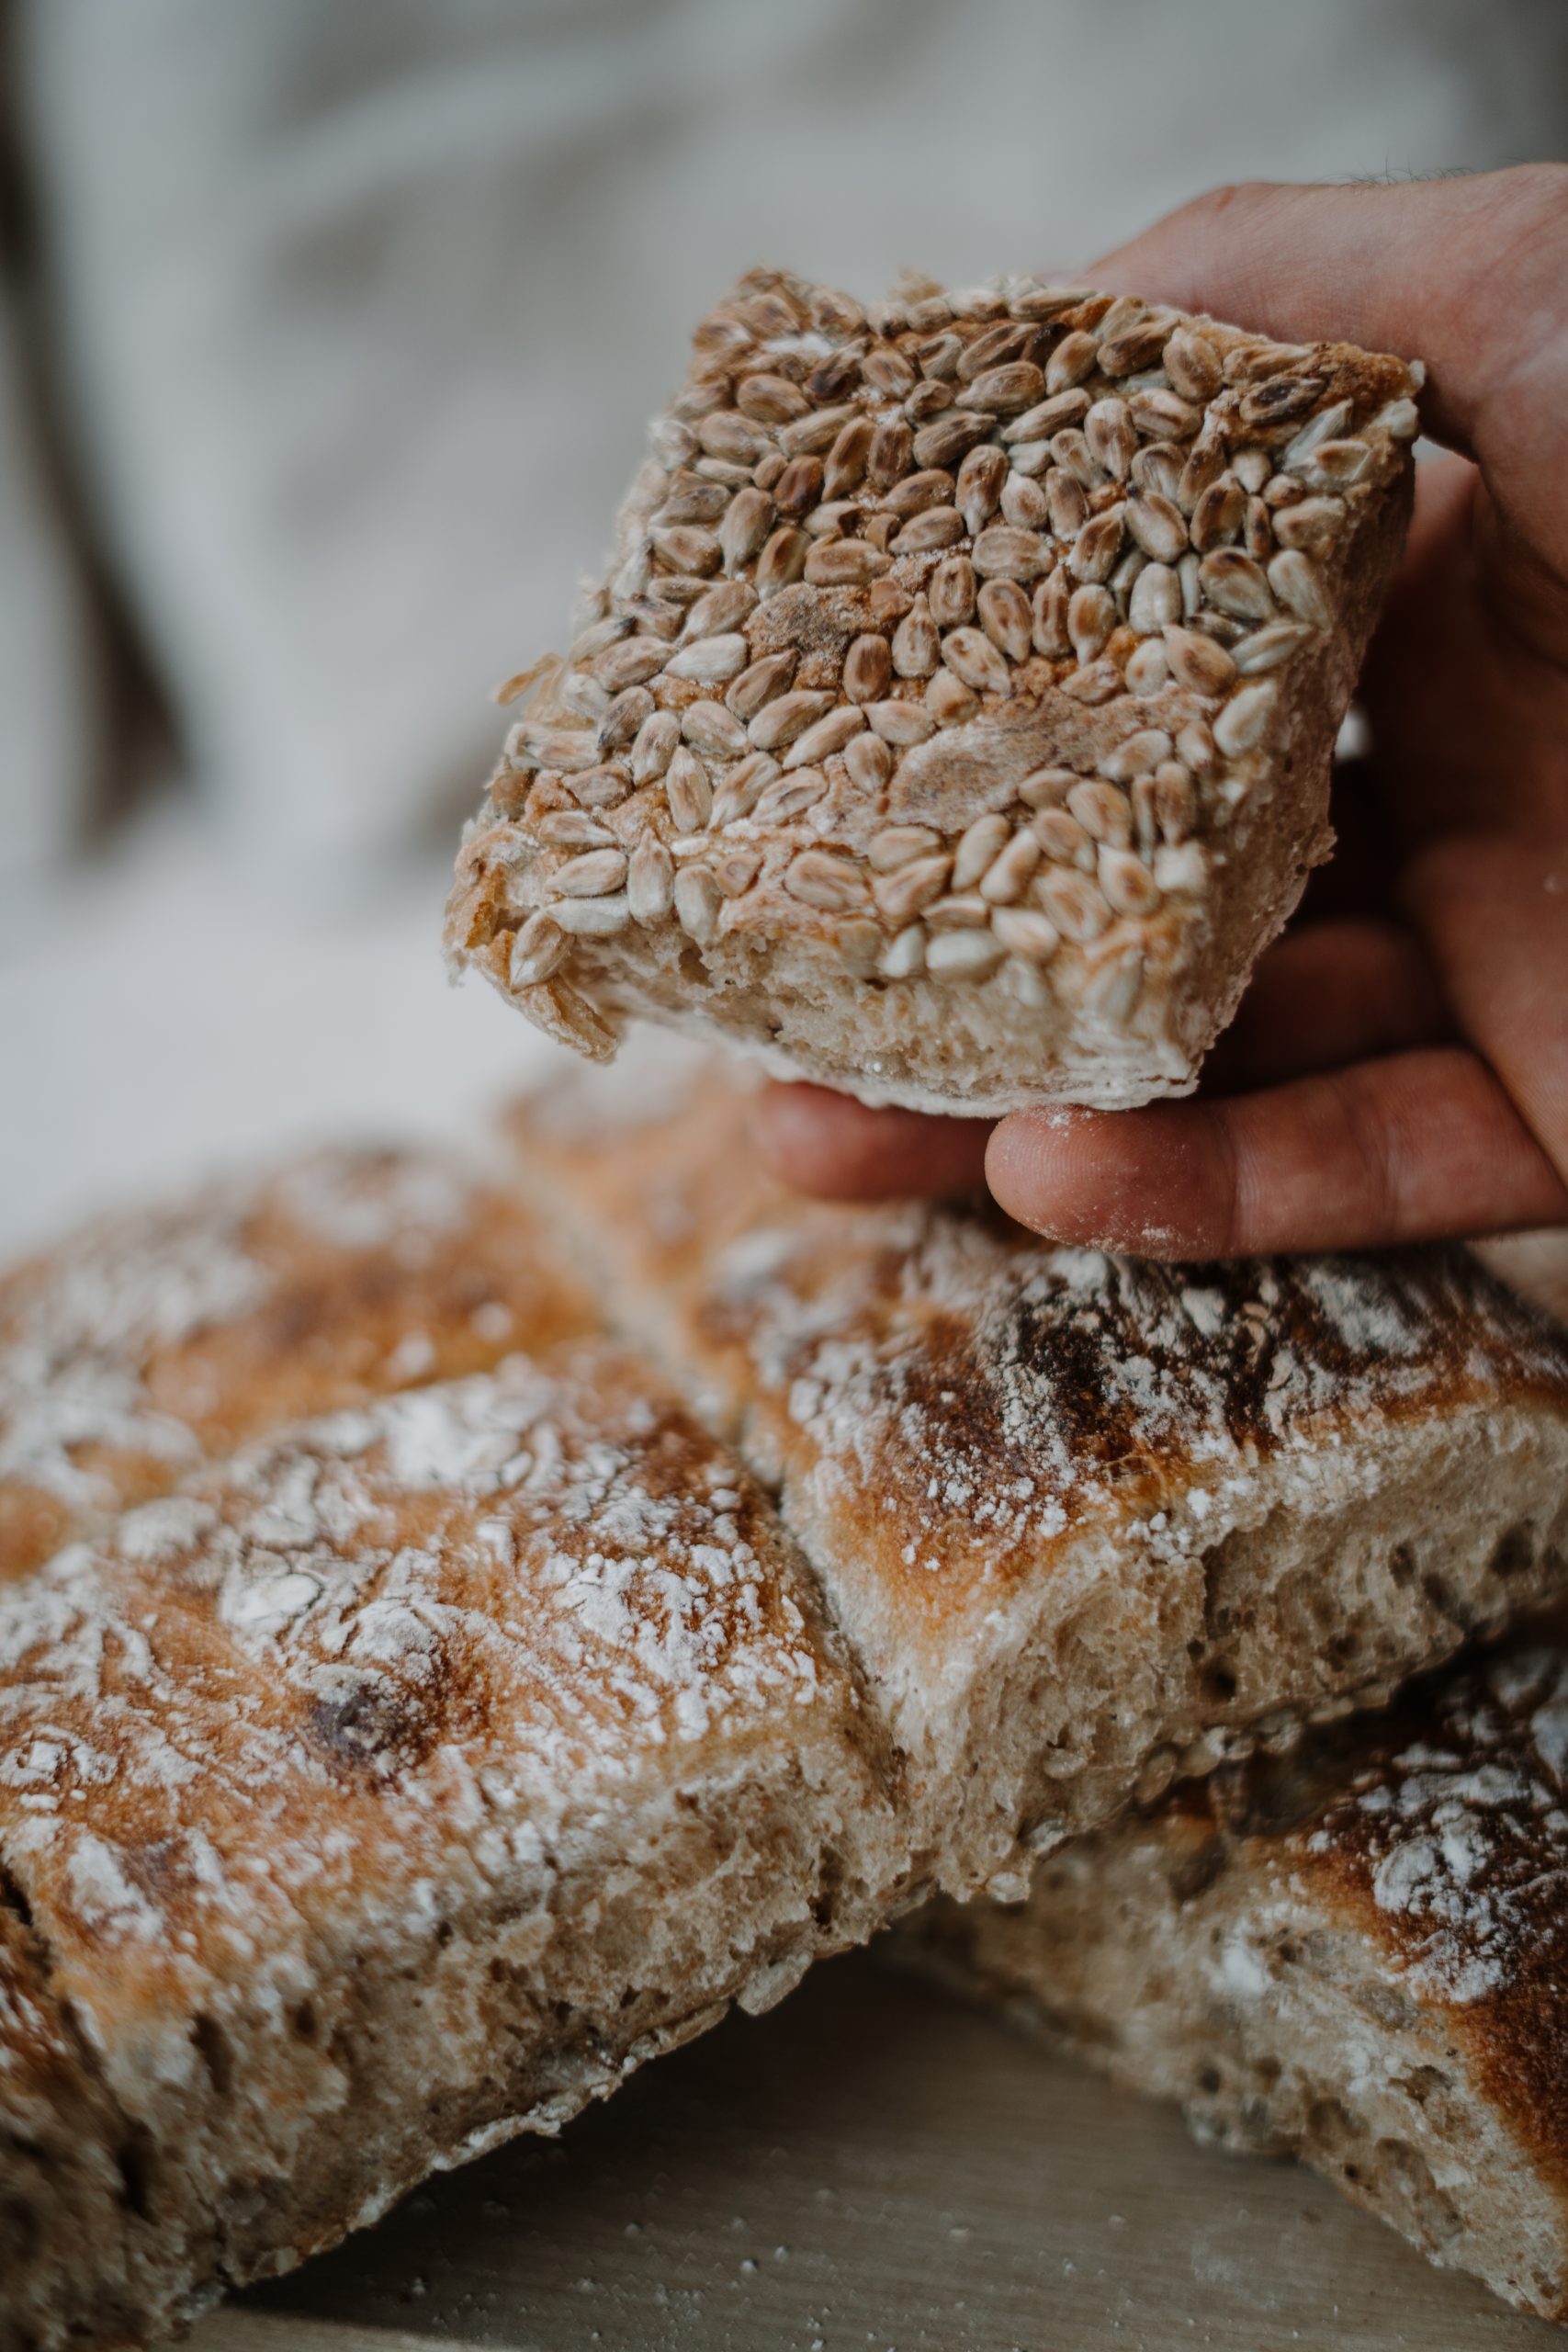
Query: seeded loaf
x=152 y=1340
x=954 y=725
x=1359 y=1954
x=1088 y=1523
x=399 y=1787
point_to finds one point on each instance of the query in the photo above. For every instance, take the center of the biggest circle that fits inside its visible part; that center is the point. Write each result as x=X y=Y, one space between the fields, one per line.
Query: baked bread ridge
x=1356 y=1955
x=1088 y=1523
x=954 y=724
x=148 y=1341
x=396 y=1787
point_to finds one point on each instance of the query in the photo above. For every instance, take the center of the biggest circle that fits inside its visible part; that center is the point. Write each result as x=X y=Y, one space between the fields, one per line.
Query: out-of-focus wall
x=357 y=305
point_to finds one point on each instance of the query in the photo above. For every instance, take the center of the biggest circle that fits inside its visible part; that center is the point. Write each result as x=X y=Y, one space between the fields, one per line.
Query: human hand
x=1398 y=1069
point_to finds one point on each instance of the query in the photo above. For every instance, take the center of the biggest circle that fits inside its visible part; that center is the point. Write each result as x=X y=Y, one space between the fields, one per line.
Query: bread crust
x=1356 y=1953
x=698 y=817
x=170 y=1335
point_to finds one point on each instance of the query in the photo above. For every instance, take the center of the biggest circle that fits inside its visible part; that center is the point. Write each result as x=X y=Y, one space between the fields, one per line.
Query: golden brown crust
x=152 y=1340
x=1001 y=799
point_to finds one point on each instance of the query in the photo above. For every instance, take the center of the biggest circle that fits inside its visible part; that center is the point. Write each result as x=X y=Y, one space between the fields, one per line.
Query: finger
x=1460 y=273
x=839 y=1149
x=1330 y=993
x=1422 y=1144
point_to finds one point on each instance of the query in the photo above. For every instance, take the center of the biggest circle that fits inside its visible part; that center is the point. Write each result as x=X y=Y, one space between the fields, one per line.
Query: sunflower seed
x=1199 y=664
x=1192 y=364
x=1148 y=670
x=736 y=438
x=1065 y=503
x=759 y=684
x=630 y=664
x=1401 y=420
x=697 y=399
x=927 y=400
x=1091 y=618
x=1161 y=415
x=673 y=444
x=1004 y=614
x=836 y=518
x=1328 y=424
x=1112 y=442
x=711 y=660
x=1024 y=930
x=1046 y=788
x=1072 y=361
x=735 y=871
x=1005 y=390
x=585 y=648
x=962 y=911
x=1093 y=553
x=939 y=526
x=721 y=609
x=891 y=447
x=688 y=792
x=979 y=485
x=909 y=889
x=1024 y=505
x=697 y=902
x=949 y=701
x=950 y=592
x=745 y=527
x=1206 y=466
x=843 y=563
x=1244 y=720
x=977 y=849
x=1251 y=467
x=1063 y=839
x=845 y=468
x=949 y=437
x=819 y=878
x=1218 y=516
x=780 y=721
x=829 y=735
x=1234 y=583
x=799 y=488
x=1180 y=868
x=1187 y=571
x=1158 y=469
x=896 y=845
x=867 y=669
x=1070 y=448
x=781 y=561
x=1155 y=599
x=1280 y=400
x=1005 y=552
x=1333 y=465
x=868 y=763
x=1110 y=992
x=1258 y=535
x=970 y=655
x=808 y=436
x=916 y=648
x=686 y=547
x=1311 y=528
x=1055 y=415
x=570 y=828
x=901 y=723
x=592 y=918
x=1128 y=885
x=1297 y=584
x=1268 y=647
x=1195 y=747
x=770 y=399
x=906 y=954
x=742 y=788
x=859 y=942
x=963 y=954
x=709 y=729
x=538 y=950
x=791 y=797
x=591 y=875
x=1157 y=527
x=1136 y=754
x=938 y=356
x=1073 y=903
x=1049 y=613
x=1103 y=812
x=1011 y=871
x=582 y=693
x=835 y=313
x=1030 y=459
x=720 y=470
x=1102 y=682
x=650 y=881
x=888 y=369
x=600 y=788
x=692 y=499
x=918 y=491
x=619 y=727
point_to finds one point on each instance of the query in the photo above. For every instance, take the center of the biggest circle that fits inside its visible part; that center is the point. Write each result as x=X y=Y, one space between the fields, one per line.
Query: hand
x=1399 y=1067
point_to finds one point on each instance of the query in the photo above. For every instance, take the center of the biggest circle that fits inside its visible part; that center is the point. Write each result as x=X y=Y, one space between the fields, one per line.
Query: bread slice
x=1359 y=1954
x=954 y=725
x=155 y=1340
x=1088 y=1523
x=397 y=1788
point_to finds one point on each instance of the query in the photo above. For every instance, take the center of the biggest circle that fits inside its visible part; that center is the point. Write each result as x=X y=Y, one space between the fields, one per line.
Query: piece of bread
x=150 y=1342
x=1088 y=1523
x=1359 y=1954
x=955 y=723
x=397 y=1788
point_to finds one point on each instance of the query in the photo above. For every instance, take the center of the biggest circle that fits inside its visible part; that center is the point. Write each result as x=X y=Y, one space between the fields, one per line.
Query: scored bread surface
x=1358 y=1954
x=159 y=1339
x=955 y=723
x=1089 y=1523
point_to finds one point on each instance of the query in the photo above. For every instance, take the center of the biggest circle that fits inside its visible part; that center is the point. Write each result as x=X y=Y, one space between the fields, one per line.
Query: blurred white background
x=326 y=332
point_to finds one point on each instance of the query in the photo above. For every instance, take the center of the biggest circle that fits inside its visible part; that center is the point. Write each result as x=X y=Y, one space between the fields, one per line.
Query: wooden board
x=872 y=2168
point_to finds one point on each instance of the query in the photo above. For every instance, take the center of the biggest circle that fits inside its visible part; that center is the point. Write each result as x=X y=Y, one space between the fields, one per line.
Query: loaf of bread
x=954 y=725
x=1088 y=1523
x=1358 y=1954
x=156 y=1339
x=397 y=1787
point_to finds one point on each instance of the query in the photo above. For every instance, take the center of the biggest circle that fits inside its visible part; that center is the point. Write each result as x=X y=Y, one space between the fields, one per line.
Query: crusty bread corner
x=400 y=1787
x=163 y=1337
x=954 y=724
x=1359 y=1954
x=1088 y=1523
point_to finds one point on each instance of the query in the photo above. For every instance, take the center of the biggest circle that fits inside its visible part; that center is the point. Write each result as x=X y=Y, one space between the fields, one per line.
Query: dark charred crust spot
x=373 y=1725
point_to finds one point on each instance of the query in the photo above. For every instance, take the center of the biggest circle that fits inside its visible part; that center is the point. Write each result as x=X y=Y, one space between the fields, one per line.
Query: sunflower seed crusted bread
x=397 y=1788
x=1359 y=1954
x=955 y=723
x=155 y=1340
x=1088 y=1523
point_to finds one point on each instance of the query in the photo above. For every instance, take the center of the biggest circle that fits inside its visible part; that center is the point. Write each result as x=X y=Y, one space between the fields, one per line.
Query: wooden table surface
x=871 y=2168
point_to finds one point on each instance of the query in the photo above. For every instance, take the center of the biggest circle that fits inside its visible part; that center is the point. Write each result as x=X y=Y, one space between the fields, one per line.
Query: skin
x=1398 y=1069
